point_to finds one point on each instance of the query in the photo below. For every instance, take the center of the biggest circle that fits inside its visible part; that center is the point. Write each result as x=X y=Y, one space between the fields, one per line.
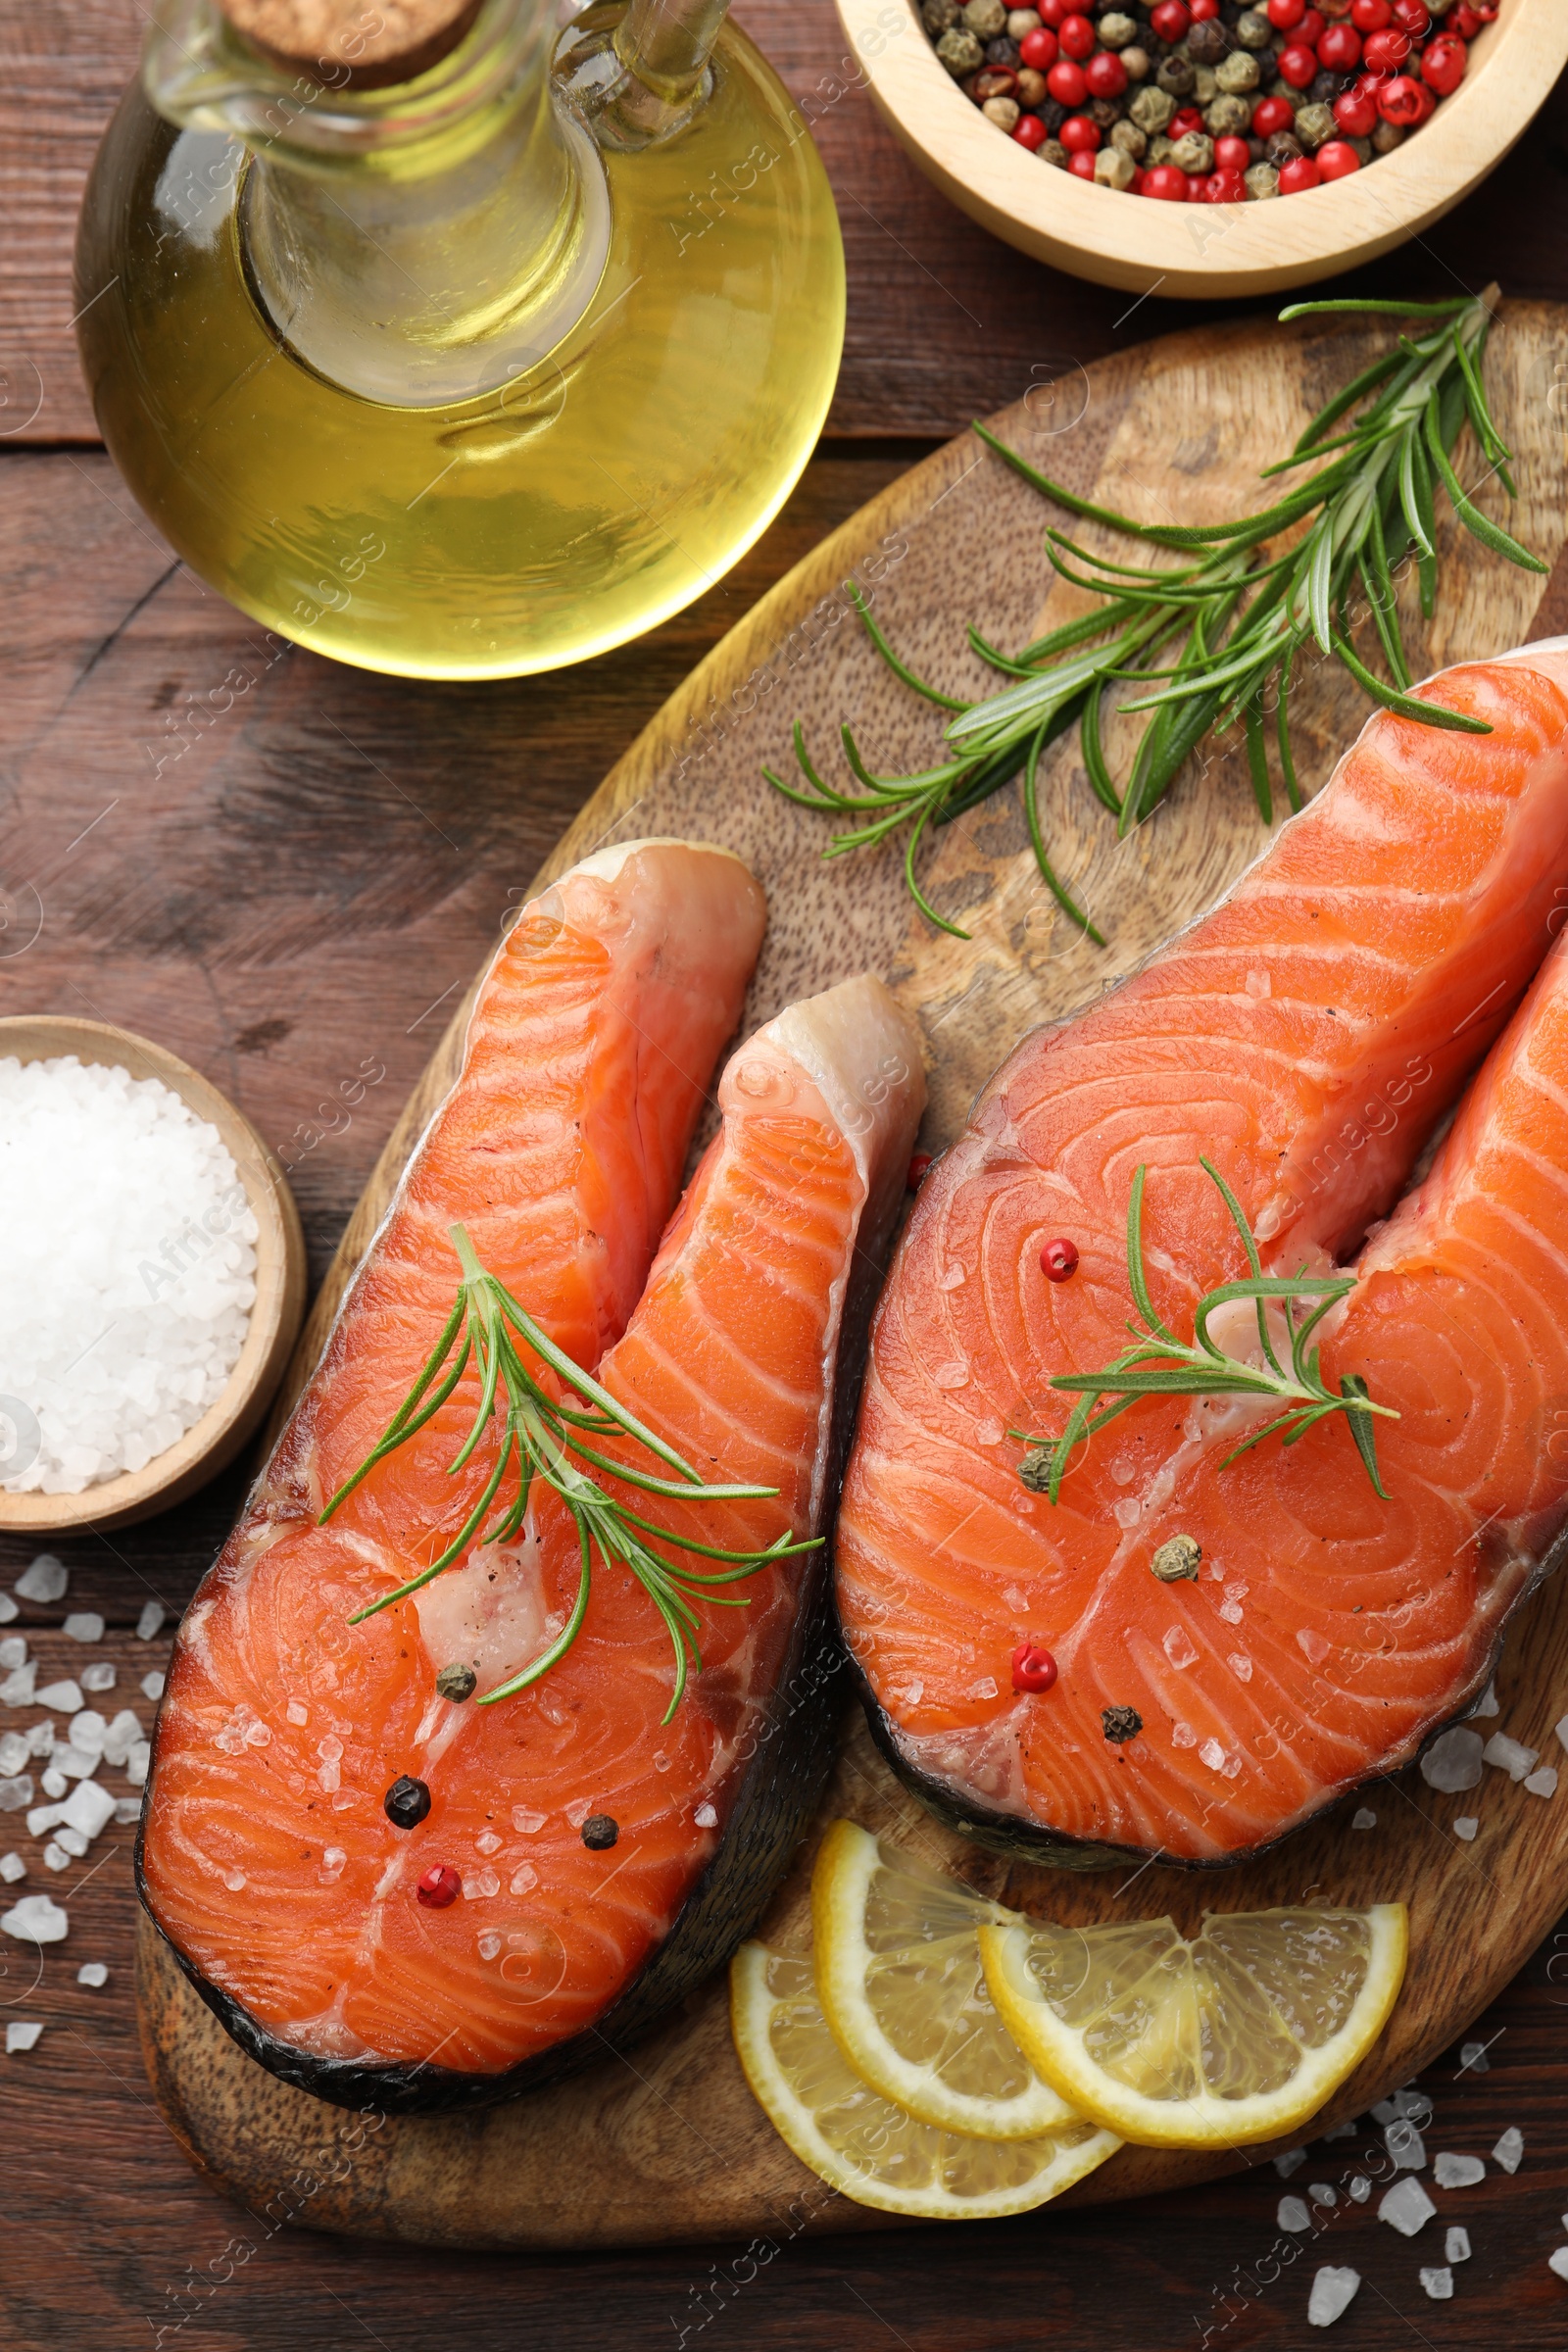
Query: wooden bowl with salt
x=1199 y=251
x=275 y=1317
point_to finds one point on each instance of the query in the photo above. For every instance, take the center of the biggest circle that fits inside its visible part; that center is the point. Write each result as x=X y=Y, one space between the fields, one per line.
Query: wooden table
x=299 y=893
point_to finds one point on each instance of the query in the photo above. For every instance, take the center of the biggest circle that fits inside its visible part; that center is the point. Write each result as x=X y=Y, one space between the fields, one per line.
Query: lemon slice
x=863 y=2145
x=1238 y=2035
x=900 y=1981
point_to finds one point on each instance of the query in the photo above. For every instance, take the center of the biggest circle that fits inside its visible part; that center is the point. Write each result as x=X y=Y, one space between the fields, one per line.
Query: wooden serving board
x=666 y=2143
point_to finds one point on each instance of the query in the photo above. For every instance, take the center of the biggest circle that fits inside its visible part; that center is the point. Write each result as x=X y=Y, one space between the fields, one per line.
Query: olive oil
x=576 y=505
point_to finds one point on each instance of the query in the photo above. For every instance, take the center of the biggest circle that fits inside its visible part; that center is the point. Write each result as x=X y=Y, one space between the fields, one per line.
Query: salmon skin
x=267 y=1858
x=1308 y=1036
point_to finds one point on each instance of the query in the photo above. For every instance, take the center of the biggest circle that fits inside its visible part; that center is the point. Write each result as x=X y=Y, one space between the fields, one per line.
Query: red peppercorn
x=1105 y=75
x=1412 y=17
x=1078 y=39
x=1201 y=10
x=1297 y=65
x=1038 y=49
x=439 y=1886
x=1340 y=49
x=1337 y=159
x=1286 y=15
x=1056 y=13
x=1370 y=15
x=1401 y=101
x=1226 y=187
x=1270 y=115
x=1058 y=1260
x=1443 y=64
x=1171 y=19
x=1166 y=182
x=1079 y=136
x=1184 y=119
x=1298 y=175
x=1312 y=28
x=1357 y=113
x=1033 y=1666
x=1386 y=52
x=1066 y=84
x=1030 y=133
x=920 y=1165
x=1081 y=165
x=1232 y=155
x=1465 y=22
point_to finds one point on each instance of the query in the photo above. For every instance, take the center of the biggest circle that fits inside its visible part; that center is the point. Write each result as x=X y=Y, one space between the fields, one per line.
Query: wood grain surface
x=591 y=2162
x=945 y=323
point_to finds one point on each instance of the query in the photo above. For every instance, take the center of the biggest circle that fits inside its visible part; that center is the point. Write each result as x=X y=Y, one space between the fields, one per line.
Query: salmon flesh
x=608 y=1858
x=1309 y=1036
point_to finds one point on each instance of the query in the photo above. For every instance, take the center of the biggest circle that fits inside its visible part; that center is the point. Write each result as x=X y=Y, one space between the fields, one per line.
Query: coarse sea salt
x=22 y=2033
x=1456 y=2246
x=128 y=1290
x=93 y=1973
x=1405 y=2206
x=36 y=1920
x=1509 y=2149
x=84 y=1625
x=1453 y=1761
x=1457 y=2171
x=1293 y=2214
x=45 y=1580
x=1558 y=2262
x=1334 y=2290
x=1509 y=1755
x=1439 y=2283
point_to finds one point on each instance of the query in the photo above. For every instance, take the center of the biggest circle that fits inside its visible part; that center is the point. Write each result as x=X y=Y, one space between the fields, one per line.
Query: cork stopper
x=378 y=41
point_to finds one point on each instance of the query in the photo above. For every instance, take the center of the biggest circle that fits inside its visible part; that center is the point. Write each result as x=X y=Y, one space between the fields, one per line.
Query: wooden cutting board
x=666 y=2143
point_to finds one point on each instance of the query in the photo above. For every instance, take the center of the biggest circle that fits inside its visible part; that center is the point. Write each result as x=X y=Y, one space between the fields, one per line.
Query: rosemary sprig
x=1159 y=1364
x=539 y=1433
x=1214 y=636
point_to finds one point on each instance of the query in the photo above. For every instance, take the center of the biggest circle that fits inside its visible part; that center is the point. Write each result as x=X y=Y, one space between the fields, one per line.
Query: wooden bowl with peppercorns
x=1204 y=147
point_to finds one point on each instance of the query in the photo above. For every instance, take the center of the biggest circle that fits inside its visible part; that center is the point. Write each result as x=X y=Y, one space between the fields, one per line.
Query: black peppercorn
x=1282 y=149
x=1206 y=43
x=405 y=1803
x=1326 y=87
x=1121 y=1724
x=599 y=1832
x=1003 y=52
x=1051 y=115
x=455 y=1683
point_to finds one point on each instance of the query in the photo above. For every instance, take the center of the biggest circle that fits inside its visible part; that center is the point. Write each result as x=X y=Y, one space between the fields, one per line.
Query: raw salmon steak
x=1307 y=1036
x=268 y=1857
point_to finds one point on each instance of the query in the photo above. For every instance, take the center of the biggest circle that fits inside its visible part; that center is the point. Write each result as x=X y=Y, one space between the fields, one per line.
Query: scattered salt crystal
x=7 y=1608
x=1509 y=2149
x=22 y=2033
x=12 y=1868
x=72 y=1842
x=1345 y=2131
x=53 y=1783
x=1311 y=1644
x=55 y=1856
x=1321 y=2194
x=1453 y=1761
x=13 y=1753
x=36 y=1920
x=89 y=1732
x=706 y=1818
x=523 y=1878
x=489 y=1945
x=1333 y=2292
x=1542 y=1783
x=1558 y=2262
x=235 y=1881
x=480 y=1882
x=487 y=1843
x=1402 y=2105
x=151 y=1619
x=136 y=1763
x=15 y=1792
x=126 y=1810
x=661 y=1761
x=1405 y=2146
x=1560 y=1726
x=1405 y=2206
x=333 y=1862
x=578 y=1810
x=1179 y=1646
x=1487 y=1703
x=1509 y=1755
x=93 y=1973
x=75 y=1763
x=47 y=1578
x=1472 y=2058
x=295 y=1712
x=1127 y=1512
x=1456 y=2246
x=1466 y=1827
x=126 y=1309
x=1240 y=1664
x=529 y=1822
x=14 y=1653
x=1293 y=2214
x=41 y=1819
x=41 y=1738
x=84 y=1625
x=985 y=1688
x=1182 y=1734
x=1364 y=1820
x=99 y=1676
x=152 y=1686
x=65 y=1695
x=89 y=1809
x=122 y=1736
x=1231 y=1611
x=1290 y=2162
x=18 y=1688
x=1439 y=2283
x=1360 y=2190
x=1212 y=1754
